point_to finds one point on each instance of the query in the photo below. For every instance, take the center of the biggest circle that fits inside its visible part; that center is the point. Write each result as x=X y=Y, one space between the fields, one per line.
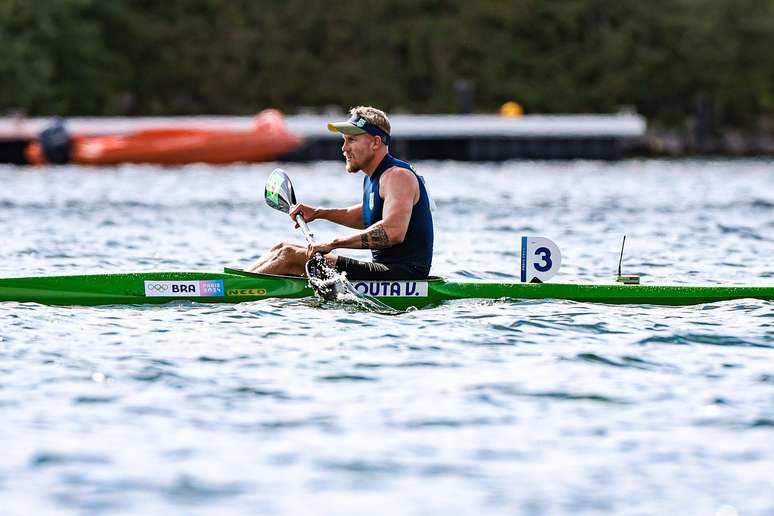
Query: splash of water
x=332 y=285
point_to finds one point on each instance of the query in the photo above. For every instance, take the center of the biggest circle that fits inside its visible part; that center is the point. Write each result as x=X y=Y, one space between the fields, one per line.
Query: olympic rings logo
x=156 y=287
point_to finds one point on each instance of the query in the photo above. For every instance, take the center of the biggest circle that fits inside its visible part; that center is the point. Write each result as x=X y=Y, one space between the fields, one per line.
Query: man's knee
x=283 y=248
x=292 y=252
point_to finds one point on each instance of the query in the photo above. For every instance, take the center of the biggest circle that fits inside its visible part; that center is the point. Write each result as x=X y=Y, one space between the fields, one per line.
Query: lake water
x=474 y=407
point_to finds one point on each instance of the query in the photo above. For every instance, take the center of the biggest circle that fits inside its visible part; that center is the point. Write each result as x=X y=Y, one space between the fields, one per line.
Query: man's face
x=358 y=150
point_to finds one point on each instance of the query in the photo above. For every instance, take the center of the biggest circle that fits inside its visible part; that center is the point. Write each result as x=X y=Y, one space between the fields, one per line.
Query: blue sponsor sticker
x=212 y=288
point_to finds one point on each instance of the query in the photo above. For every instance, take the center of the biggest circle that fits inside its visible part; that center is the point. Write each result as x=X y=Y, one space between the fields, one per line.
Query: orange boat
x=268 y=140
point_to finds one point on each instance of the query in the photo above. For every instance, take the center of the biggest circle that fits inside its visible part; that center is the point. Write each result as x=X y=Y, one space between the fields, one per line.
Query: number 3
x=545 y=254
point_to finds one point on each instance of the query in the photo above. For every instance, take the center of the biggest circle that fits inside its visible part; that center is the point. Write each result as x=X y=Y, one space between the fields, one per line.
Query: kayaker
x=394 y=217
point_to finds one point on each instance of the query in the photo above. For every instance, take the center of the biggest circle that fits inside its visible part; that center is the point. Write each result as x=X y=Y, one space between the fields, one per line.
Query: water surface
x=474 y=407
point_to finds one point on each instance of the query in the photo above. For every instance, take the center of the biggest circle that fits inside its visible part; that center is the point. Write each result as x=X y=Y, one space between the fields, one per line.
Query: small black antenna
x=620 y=260
x=629 y=279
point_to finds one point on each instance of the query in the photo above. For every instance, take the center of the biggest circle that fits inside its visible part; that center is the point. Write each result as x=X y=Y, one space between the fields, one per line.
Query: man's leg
x=285 y=258
x=264 y=259
x=358 y=269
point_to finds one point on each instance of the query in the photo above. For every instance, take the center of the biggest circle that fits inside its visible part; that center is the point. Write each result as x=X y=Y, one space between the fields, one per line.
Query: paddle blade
x=279 y=191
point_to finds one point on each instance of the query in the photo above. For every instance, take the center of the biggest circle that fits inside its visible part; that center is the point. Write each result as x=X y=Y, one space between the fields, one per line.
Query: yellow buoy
x=511 y=108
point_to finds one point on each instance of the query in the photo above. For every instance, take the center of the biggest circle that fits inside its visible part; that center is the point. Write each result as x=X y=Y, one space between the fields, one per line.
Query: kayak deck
x=236 y=286
x=149 y=288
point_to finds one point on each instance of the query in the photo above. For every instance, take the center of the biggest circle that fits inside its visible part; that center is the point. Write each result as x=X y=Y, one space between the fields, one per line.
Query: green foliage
x=142 y=57
x=52 y=59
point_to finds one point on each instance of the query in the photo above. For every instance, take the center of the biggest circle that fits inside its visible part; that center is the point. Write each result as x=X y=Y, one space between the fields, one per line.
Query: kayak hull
x=234 y=286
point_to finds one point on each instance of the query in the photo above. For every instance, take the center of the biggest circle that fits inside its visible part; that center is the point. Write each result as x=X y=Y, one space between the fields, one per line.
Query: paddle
x=279 y=195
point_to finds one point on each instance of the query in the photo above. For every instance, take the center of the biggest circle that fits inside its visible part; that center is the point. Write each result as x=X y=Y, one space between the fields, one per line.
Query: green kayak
x=236 y=286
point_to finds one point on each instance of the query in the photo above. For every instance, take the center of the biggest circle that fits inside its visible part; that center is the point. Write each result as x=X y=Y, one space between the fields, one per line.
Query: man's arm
x=401 y=191
x=352 y=217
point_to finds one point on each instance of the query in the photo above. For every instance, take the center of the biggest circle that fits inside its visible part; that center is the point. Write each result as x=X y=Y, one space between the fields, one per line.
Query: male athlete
x=394 y=218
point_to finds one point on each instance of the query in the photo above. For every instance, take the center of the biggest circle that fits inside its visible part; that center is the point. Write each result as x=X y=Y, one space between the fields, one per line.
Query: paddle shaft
x=304 y=228
x=307 y=234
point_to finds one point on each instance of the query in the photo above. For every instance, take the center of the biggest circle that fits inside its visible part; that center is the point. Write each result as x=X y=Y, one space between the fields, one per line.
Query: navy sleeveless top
x=417 y=246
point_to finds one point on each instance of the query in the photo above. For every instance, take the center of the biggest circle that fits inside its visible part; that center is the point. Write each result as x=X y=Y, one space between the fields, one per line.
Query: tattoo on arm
x=375 y=239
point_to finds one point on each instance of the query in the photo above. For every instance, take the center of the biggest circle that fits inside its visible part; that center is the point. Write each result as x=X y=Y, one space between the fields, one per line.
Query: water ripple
x=472 y=407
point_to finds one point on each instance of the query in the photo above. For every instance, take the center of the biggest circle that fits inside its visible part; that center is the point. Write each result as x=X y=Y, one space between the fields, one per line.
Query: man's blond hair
x=374 y=116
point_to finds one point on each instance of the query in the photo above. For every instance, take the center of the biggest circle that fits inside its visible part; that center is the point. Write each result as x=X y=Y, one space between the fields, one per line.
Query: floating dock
x=414 y=137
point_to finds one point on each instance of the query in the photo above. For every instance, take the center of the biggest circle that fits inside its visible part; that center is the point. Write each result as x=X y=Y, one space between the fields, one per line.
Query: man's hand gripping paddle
x=279 y=195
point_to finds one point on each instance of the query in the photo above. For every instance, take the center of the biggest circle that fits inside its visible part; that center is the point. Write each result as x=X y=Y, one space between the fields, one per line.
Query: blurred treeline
x=147 y=57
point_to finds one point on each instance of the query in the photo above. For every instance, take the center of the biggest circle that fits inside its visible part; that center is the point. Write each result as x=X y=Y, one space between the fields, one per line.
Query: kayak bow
x=237 y=286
